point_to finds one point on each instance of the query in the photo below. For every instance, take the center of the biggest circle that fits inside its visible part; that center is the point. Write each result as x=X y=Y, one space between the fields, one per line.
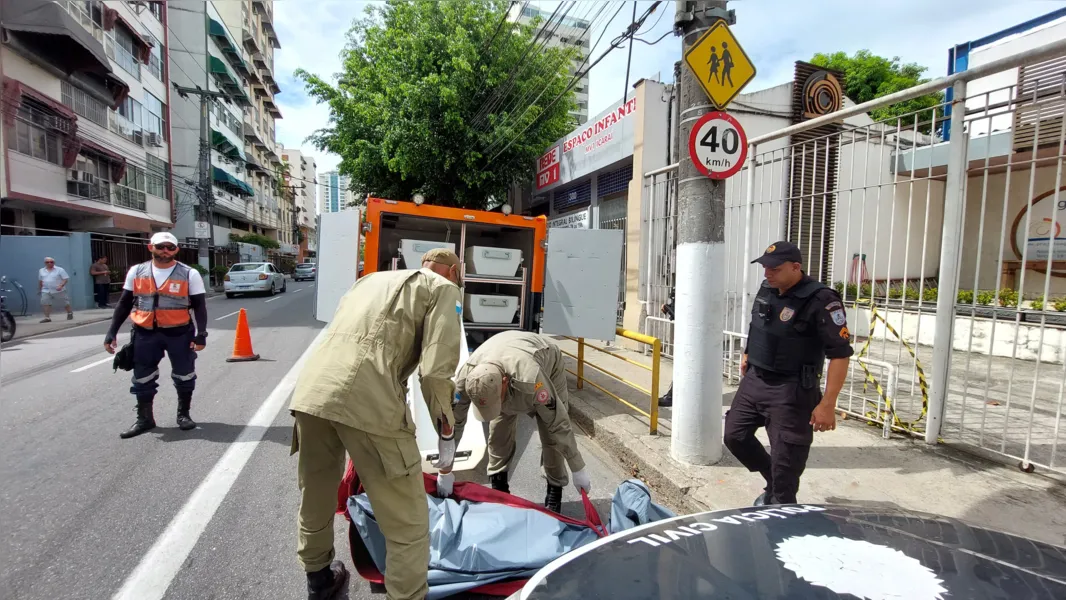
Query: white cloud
x=775 y=34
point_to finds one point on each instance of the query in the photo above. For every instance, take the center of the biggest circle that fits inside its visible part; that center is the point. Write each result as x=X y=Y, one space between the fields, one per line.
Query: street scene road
x=80 y=508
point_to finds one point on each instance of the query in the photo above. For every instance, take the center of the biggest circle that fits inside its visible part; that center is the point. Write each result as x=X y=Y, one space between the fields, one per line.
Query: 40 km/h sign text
x=718 y=145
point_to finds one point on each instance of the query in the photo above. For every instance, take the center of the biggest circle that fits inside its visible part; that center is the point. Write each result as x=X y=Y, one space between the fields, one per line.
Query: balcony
x=253 y=133
x=268 y=104
x=251 y=38
x=227 y=81
x=268 y=79
x=229 y=47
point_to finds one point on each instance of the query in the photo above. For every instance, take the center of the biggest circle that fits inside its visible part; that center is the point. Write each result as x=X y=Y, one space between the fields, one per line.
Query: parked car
x=304 y=271
x=253 y=278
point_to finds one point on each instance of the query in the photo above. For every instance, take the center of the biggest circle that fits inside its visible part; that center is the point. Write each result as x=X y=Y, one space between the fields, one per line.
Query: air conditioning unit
x=74 y=175
x=154 y=139
x=138 y=137
x=88 y=177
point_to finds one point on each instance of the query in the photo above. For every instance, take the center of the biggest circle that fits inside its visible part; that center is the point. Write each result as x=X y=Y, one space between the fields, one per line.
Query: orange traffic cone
x=242 y=344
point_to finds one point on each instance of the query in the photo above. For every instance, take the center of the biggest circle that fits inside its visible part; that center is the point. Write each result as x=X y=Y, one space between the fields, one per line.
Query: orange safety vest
x=166 y=306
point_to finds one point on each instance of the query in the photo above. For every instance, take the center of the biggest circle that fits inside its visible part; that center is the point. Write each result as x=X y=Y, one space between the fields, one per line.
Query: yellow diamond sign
x=720 y=64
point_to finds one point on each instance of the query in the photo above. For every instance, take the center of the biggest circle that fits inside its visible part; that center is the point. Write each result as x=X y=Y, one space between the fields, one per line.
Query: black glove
x=200 y=340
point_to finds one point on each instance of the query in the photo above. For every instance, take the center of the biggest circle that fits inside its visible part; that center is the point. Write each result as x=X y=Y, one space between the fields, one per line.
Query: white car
x=253 y=278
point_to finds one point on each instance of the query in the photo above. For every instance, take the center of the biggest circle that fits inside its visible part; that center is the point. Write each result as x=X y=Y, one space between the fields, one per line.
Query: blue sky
x=775 y=33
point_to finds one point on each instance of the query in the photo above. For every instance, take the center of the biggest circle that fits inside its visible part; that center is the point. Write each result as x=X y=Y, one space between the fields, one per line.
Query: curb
x=636 y=453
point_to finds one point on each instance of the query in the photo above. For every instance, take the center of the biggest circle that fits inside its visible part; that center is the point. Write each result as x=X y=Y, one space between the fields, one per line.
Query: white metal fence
x=942 y=230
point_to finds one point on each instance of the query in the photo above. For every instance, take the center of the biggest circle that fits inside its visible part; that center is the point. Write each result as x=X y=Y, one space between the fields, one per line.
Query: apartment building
x=302 y=177
x=86 y=128
x=571 y=33
x=333 y=193
x=227 y=47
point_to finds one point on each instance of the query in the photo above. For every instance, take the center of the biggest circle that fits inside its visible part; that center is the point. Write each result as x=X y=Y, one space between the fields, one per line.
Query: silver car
x=253 y=278
x=304 y=271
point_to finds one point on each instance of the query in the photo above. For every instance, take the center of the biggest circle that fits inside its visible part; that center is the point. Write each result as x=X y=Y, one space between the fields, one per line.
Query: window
x=153 y=115
x=156 y=176
x=83 y=104
x=226 y=118
x=127 y=121
x=35 y=133
x=130 y=191
x=121 y=47
x=90 y=179
x=90 y=14
x=155 y=59
x=157 y=10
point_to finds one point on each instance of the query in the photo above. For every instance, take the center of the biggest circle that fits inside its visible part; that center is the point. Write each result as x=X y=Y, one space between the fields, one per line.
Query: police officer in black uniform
x=796 y=323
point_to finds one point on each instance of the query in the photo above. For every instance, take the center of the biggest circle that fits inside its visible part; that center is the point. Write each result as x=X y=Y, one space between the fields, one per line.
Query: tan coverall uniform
x=351 y=396
x=533 y=364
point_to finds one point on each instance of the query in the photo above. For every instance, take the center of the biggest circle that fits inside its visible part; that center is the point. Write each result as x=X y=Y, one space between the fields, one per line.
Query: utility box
x=493 y=262
x=490 y=309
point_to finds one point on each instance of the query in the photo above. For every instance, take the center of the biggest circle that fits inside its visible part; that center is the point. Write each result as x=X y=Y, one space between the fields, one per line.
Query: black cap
x=778 y=254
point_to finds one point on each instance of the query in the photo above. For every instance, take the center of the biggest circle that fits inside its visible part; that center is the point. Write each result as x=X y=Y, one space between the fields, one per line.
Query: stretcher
x=473 y=445
x=487 y=542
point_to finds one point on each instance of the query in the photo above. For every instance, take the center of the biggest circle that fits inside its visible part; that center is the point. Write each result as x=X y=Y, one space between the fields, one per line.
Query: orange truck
x=503 y=257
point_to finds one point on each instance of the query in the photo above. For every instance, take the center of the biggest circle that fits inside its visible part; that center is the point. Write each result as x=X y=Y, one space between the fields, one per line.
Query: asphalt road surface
x=203 y=514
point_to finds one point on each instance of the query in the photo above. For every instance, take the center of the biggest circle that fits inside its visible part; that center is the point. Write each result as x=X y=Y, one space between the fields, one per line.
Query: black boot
x=329 y=583
x=145 y=421
x=667 y=400
x=499 y=482
x=185 y=422
x=553 y=500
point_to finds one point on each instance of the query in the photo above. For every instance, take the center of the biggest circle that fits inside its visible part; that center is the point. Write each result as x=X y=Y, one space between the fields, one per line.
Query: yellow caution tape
x=890 y=410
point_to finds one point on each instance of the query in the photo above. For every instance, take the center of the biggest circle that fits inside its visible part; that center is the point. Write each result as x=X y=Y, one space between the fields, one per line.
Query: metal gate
x=660 y=260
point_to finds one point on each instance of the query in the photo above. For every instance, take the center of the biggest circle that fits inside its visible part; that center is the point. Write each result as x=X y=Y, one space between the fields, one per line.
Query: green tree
x=406 y=114
x=868 y=76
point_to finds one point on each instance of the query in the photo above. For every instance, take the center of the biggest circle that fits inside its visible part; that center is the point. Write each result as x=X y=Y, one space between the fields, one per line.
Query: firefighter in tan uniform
x=521 y=373
x=351 y=396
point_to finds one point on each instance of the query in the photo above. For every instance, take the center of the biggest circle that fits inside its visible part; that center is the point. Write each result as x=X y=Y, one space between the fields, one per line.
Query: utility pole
x=696 y=437
x=204 y=194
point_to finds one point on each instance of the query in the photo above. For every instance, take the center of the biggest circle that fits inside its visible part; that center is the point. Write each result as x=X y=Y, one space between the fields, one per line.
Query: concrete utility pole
x=696 y=437
x=203 y=186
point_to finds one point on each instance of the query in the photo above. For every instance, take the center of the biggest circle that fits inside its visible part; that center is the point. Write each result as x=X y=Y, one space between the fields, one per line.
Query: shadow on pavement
x=224 y=433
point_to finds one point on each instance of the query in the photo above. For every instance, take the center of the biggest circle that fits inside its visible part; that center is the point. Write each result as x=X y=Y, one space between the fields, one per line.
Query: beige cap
x=484 y=385
x=442 y=256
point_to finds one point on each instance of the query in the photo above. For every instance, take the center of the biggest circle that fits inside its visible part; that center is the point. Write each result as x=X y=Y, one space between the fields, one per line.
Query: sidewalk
x=31 y=325
x=852 y=465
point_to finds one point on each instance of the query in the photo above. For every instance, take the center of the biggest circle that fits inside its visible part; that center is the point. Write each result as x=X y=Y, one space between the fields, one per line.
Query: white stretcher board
x=473 y=445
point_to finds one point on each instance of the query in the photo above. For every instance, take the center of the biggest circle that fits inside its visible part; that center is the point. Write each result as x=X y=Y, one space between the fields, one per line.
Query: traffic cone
x=242 y=344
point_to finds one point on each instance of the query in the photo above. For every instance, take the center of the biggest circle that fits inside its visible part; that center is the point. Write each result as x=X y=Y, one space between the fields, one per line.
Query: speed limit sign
x=718 y=145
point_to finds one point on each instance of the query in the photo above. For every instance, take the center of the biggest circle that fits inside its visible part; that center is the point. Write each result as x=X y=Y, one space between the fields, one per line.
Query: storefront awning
x=223 y=178
x=230 y=83
x=222 y=143
x=225 y=42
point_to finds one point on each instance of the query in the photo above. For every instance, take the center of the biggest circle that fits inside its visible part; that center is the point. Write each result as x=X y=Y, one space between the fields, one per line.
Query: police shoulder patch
x=839 y=318
x=845 y=334
x=787 y=313
x=542 y=395
x=833 y=304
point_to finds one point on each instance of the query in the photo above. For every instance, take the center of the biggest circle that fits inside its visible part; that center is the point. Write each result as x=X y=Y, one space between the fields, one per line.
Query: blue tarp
x=473 y=544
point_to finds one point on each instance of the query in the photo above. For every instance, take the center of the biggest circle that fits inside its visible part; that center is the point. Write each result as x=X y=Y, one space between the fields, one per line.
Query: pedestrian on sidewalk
x=158 y=296
x=796 y=323
x=52 y=286
x=521 y=373
x=350 y=396
x=668 y=309
x=101 y=281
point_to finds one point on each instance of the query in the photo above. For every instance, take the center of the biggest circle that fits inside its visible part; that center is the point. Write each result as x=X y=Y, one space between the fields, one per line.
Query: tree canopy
x=446 y=99
x=868 y=76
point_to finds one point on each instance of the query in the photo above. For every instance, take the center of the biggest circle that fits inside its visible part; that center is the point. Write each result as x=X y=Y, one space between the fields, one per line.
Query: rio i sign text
x=548 y=167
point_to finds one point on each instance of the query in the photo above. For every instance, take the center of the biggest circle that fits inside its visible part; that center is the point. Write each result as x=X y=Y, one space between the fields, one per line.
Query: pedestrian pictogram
x=720 y=64
x=718 y=145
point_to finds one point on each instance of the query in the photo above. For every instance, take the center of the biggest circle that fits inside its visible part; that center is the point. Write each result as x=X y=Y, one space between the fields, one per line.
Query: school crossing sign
x=720 y=64
x=718 y=145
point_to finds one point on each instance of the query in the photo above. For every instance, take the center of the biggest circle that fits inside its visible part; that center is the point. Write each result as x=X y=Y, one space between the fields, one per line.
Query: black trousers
x=784 y=408
x=149 y=346
x=101 y=292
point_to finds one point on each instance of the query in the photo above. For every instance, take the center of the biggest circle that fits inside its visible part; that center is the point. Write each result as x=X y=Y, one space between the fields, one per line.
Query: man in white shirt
x=158 y=297
x=52 y=286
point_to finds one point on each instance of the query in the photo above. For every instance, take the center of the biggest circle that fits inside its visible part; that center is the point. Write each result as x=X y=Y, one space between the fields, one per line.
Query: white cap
x=163 y=237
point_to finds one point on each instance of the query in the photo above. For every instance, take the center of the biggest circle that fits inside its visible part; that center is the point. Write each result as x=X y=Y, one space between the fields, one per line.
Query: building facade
x=86 y=128
x=301 y=180
x=571 y=34
x=333 y=193
x=226 y=47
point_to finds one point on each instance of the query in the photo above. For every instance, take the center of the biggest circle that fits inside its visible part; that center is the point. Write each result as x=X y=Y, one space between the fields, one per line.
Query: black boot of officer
x=185 y=422
x=329 y=583
x=499 y=482
x=553 y=500
x=145 y=421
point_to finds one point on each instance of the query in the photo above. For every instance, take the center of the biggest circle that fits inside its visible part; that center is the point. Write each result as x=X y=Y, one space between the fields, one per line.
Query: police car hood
x=806 y=551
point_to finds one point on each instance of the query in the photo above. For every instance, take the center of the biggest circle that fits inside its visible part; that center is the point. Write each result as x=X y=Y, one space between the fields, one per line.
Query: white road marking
x=229 y=315
x=91 y=365
x=151 y=579
x=298 y=290
x=273 y=299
